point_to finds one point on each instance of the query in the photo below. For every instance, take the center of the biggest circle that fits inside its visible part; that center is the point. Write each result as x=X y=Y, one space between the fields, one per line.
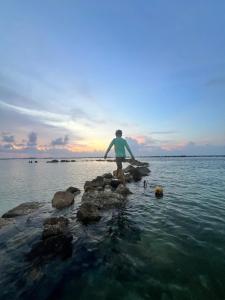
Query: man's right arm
x=109 y=148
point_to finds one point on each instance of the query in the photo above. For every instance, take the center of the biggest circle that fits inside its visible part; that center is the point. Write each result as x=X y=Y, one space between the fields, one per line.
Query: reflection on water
x=171 y=248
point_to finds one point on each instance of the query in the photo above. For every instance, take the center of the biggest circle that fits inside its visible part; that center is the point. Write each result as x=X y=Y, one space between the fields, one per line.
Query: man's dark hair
x=119 y=132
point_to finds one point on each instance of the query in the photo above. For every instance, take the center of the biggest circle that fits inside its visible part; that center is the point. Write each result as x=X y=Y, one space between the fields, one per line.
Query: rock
x=65 y=160
x=108 y=175
x=128 y=177
x=108 y=188
x=54 y=226
x=52 y=161
x=136 y=175
x=73 y=190
x=129 y=169
x=88 y=212
x=56 y=240
x=115 y=183
x=73 y=160
x=139 y=163
x=144 y=171
x=123 y=190
x=98 y=182
x=103 y=199
x=22 y=209
x=107 y=181
x=62 y=199
x=5 y=221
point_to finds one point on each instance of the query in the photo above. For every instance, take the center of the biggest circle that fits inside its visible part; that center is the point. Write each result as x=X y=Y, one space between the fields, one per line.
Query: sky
x=73 y=72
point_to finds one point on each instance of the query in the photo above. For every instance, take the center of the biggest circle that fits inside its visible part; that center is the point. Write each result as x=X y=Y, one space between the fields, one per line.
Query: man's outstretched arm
x=109 y=148
x=129 y=150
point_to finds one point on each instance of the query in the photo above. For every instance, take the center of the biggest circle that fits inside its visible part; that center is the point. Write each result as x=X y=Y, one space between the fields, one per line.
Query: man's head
x=119 y=133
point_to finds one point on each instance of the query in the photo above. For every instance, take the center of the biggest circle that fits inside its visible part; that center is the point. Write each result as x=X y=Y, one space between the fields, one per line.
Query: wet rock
x=98 y=182
x=123 y=190
x=62 y=199
x=103 y=199
x=54 y=226
x=88 y=212
x=22 y=209
x=73 y=190
x=65 y=160
x=56 y=240
x=115 y=183
x=129 y=169
x=6 y=221
x=73 y=160
x=108 y=175
x=128 y=177
x=108 y=188
x=136 y=175
x=144 y=171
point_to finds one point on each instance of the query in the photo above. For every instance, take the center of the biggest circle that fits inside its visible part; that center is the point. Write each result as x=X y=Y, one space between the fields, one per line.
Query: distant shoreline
x=100 y=157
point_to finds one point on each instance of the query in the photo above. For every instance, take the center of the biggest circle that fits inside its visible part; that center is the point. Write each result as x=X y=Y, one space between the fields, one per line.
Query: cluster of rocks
x=62 y=160
x=102 y=193
x=106 y=192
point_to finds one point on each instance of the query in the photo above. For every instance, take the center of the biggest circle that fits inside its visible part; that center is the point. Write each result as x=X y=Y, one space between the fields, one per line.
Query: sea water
x=168 y=248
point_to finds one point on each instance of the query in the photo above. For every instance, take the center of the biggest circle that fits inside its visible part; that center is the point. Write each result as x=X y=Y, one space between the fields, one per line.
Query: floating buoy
x=159 y=191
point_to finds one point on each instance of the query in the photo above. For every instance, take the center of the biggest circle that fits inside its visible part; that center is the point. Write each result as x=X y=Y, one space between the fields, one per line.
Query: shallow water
x=172 y=248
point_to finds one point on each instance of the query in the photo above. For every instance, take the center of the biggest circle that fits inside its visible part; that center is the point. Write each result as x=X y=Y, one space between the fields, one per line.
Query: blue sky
x=73 y=72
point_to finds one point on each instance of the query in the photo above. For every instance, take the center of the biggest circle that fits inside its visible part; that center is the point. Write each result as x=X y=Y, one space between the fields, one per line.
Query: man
x=119 y=145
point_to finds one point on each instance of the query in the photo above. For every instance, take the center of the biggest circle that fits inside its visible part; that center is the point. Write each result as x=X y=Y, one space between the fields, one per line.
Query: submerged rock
x=56 y=240
x=22 y=209
x=62 y=199
x=88 y=212
x=54 y=226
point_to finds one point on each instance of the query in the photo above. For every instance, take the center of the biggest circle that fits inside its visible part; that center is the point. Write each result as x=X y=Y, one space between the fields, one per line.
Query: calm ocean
x=167 y=249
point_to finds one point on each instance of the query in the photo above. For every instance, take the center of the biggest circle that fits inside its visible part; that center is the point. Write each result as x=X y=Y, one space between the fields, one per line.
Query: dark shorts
x=119 y=161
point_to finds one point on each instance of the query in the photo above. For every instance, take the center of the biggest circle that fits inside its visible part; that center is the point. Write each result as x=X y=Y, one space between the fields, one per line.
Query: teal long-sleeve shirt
x=119 y=145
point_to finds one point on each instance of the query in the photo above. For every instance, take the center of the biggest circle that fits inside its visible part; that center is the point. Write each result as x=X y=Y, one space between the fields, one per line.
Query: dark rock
x=123 y=190
x=73 y=190
x=88 y=212
x=53 y=161
x=98 y=182
x=65 y=160
x=56 y=240
x=103 y=199
x=144 y=171
x=54 y=226
x=108 y=175
x=136 y=175
x=115 y=183
x=22 y=209
x=129 y=169
x=73 y=160
x=62 y=199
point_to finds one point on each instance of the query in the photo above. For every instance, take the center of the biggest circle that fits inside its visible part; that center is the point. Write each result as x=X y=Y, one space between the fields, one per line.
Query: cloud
x=163 y=132
x=32 y=139
x=8 y=138
x=60 y=141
